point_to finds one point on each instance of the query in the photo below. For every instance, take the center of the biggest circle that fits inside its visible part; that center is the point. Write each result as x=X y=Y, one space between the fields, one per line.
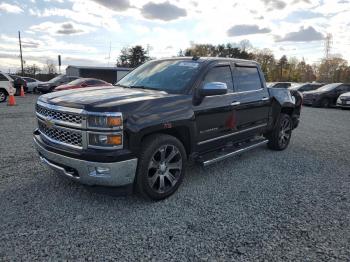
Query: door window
x=93 y=82
x=248 y=79
x=220 y=74
x=343 y=88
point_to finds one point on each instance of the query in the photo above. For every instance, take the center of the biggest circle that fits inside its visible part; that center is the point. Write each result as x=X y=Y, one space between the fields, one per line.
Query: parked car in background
x=49 y=86
x=279 y=84
x=18 y=81
x=344 y=101
x=306 y=87
x=325 y=96
x=82 y=83
x=32 y=84
x=6 y=86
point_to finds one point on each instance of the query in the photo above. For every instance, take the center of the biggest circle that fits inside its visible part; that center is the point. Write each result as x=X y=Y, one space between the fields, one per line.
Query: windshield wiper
x=144 y=87
x=121 y=86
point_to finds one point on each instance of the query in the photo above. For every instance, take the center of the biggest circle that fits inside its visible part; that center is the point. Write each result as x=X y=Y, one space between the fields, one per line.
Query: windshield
x=327 y=87
x=55 y=79
x=171 y=76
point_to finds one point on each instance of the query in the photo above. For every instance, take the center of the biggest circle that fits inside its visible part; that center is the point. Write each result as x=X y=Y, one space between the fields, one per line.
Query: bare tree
x=50 y=67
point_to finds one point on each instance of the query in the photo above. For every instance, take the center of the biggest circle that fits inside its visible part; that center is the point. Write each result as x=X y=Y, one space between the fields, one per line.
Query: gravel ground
x=263 y=205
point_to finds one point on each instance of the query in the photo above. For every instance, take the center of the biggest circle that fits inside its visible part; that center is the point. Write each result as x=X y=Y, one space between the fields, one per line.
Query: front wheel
x=3 y=96
x=161 y=166
x=325 y=103
x=279 y=138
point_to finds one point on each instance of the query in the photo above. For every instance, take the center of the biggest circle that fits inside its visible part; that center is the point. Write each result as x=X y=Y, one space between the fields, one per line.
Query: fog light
x=102 y=170
x=99 y=171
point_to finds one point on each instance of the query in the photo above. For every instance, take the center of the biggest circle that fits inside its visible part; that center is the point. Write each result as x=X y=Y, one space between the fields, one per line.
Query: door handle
x=236 y=103
x=265 y=99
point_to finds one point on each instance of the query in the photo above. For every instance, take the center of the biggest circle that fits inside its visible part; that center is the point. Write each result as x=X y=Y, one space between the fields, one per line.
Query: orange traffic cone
x=22 y=92
x=12 y=100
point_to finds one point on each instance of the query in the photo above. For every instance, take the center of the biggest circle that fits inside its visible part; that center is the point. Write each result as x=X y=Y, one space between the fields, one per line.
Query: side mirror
x=213 y=89
x=83 y=85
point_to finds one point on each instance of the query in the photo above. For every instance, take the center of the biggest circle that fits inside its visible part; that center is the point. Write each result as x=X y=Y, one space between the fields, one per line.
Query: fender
x=171 y=115
x=285 y=101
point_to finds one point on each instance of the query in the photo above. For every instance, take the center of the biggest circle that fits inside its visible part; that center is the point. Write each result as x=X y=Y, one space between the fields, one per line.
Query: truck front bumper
x=113 y=174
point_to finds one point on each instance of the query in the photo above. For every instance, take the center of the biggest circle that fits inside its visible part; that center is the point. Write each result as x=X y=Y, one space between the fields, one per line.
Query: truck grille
x=67 y=137
x=59 y=116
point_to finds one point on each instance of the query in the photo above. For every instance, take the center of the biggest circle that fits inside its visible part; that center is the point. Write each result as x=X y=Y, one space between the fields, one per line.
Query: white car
x=6 y=86
x=344 y=101
x=32 y=84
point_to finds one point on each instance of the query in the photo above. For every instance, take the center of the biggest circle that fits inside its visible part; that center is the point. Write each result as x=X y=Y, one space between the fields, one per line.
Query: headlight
x=102 y=140
x=108 y=121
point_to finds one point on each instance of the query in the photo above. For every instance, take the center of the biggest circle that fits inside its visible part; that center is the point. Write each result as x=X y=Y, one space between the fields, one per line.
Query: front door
x=215 y=117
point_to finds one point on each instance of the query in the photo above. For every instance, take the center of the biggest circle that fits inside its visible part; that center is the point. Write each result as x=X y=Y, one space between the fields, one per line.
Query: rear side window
x=343 y=88
x=29 y=80
x=3 y=78
x=248 y=79
x=220 y=74
x=94 y=82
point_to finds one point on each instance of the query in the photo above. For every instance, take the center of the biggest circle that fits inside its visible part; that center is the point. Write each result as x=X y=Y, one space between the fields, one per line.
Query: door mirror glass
x=213 y=89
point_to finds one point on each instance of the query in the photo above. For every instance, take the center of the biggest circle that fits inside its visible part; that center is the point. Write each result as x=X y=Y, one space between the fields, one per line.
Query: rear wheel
x=3 y=96
x=279 y=138
x=161 y=166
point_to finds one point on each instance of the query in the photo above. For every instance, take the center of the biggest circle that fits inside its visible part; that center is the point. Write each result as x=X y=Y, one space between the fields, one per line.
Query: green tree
x=132 y=57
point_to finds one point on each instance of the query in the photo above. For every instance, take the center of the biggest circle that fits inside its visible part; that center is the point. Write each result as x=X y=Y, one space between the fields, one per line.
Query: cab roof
x=213 y=59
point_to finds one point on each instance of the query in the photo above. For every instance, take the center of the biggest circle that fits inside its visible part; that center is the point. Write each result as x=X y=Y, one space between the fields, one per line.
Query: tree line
x=288 y=69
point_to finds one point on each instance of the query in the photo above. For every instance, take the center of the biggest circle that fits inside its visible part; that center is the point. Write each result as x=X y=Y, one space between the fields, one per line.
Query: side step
x=214 y=157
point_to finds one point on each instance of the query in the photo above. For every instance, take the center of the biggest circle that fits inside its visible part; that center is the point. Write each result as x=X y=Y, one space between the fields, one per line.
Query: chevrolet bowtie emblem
x=49 y=122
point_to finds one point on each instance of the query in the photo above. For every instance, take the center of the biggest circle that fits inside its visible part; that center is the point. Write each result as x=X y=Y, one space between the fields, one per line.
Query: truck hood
x=95 y=98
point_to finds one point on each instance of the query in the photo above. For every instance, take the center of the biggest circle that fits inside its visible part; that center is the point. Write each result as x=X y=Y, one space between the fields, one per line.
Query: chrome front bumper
x=89 y=173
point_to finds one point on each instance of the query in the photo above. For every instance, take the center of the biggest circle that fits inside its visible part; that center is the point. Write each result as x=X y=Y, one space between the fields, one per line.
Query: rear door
x=253 y=110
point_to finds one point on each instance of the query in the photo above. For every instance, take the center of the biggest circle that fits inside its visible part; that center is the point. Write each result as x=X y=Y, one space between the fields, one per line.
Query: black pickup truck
x=142 y=131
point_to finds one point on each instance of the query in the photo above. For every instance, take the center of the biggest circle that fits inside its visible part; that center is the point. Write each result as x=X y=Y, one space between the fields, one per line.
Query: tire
x=279 y=138
x=3 y=96
x=325 y=103
x=154 y=178
x=35 y=90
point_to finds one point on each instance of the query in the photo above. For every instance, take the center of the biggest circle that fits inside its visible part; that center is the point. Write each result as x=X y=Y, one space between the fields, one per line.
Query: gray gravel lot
x=263 y=205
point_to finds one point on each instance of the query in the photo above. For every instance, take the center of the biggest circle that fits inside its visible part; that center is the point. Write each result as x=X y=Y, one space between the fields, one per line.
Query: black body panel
x=201 y=123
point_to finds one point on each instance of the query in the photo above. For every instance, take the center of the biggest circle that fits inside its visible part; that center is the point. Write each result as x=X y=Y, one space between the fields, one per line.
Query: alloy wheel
x=285 y=132
x=165 y=168
x=2 y=96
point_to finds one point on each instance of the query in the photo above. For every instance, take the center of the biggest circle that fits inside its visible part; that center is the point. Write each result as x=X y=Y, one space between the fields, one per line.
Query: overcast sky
x=92 y=32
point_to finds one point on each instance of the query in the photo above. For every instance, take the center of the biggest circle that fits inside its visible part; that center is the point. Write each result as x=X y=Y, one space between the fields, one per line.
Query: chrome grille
x=58 y=115
x=60 y=135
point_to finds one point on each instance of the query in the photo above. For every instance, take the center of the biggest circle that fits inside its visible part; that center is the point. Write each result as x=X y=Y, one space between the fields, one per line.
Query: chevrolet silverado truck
x=141 y=132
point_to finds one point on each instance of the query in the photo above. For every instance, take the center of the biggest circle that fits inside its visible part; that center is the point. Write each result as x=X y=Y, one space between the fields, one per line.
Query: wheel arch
x=3 y=89
x=182 y=133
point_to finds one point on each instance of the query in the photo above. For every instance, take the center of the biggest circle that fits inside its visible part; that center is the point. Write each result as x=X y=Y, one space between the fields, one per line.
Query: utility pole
x=328 y=45
x=59 y=64
x=20 y=49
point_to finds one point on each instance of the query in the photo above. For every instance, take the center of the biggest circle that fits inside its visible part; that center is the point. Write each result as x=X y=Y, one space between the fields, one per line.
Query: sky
x=92 y=32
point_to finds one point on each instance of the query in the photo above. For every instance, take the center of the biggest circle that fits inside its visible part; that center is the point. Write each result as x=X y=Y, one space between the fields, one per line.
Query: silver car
x=32 y=84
